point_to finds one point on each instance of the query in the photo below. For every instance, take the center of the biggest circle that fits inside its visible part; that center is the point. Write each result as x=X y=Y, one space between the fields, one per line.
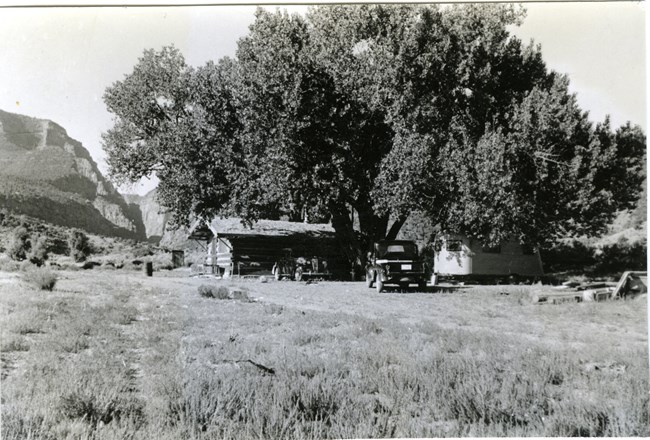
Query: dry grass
x=126 y=356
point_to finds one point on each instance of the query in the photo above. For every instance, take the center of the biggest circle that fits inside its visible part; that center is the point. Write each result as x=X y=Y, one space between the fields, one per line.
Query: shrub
x=8 y=265
x=38 y=252
x=90 y=265
x=107 y=265
x=26 y=266
x=164 y=266
x=78 y=245
x=69 y=266
x=143 y=251
x=42 y=278
x=206 y=291
x=17 y=343
x=241 y=295
x=220 y=292
x=20 y=244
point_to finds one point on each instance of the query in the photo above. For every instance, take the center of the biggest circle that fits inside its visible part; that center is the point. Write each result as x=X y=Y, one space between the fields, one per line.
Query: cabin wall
x=256 y=255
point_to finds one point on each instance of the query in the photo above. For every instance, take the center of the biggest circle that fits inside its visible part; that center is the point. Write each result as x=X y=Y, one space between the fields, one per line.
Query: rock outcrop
x=46 y=174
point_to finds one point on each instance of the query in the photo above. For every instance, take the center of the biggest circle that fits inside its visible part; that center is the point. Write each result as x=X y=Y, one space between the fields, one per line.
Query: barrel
x=148 y=268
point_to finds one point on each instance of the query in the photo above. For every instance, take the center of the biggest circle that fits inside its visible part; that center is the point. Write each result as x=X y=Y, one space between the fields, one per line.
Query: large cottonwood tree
x=362 y=114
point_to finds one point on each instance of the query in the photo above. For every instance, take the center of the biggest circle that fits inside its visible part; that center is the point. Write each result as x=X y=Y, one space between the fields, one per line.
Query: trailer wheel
x=369 y=278
x=379 y=284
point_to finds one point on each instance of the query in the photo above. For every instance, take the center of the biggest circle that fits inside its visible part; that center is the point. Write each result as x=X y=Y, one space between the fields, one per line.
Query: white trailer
x=459 y=257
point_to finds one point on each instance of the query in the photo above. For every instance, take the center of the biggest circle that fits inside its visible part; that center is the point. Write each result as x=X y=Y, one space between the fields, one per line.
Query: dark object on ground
x=148 y=269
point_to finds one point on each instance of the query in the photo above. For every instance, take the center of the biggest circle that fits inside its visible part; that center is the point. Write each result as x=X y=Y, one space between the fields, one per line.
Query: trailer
x=458 y=257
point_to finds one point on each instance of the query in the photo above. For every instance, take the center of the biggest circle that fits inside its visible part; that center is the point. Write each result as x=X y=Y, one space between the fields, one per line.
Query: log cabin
x=234 y=249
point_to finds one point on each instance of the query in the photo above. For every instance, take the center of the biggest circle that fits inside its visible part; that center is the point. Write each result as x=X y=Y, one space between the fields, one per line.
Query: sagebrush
x=43 y=278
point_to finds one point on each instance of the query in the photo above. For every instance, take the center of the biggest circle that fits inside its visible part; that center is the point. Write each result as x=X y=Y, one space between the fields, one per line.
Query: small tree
x=78 y=245
x=20 y=244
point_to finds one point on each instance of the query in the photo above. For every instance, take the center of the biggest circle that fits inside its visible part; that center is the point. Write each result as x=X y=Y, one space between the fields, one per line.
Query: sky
x=57 y=62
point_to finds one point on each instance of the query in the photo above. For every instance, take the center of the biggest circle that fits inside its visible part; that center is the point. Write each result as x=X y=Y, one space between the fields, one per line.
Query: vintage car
x=300 y=268
x=395 y=262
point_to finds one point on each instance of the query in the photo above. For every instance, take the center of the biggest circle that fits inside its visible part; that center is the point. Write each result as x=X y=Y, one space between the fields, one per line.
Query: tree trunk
x=396 y=227
x=342 y=224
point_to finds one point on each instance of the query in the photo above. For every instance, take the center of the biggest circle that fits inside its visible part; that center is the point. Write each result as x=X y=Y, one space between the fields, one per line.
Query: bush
x=90 y=265
x=26 y=266
x=220 y=292
x=143 y=251
x=69 y=266
x=78 y=245
x=8 y=265
x=14 y=344
x=20 y=244
x=42 y=278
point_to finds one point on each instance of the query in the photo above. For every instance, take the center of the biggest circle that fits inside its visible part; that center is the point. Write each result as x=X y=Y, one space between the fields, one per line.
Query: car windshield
x=408 y=250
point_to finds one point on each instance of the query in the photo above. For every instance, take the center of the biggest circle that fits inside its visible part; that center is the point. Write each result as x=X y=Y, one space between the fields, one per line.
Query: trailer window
x=454 y=245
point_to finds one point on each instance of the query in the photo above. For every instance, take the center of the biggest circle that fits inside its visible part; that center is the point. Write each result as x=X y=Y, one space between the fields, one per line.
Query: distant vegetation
x=28 y=242
x=624 y=246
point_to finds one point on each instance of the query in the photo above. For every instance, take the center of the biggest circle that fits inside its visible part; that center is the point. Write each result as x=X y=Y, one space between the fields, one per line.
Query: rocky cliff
x=46 y=174
x=154 y=217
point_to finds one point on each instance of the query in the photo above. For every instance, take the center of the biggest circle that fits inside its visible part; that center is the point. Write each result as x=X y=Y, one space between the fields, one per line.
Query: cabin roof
x=233 y=227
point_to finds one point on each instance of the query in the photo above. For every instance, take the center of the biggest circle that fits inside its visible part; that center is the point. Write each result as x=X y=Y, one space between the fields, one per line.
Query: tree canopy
x=361 y=115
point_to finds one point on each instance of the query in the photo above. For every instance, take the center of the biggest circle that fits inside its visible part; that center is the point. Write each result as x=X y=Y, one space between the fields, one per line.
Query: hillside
x=46 y=174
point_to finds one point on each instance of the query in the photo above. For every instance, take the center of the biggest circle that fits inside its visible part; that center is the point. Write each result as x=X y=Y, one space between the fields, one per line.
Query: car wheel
x=369 y=278
x=298 y=276
x=404 y=286
x=422 y=285
x=379 y=284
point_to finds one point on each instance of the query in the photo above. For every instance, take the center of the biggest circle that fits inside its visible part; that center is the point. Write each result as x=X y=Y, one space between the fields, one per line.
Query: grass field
x=116 y=355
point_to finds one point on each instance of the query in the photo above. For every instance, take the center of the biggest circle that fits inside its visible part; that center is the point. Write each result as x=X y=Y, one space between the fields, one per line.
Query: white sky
x=57 y=62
